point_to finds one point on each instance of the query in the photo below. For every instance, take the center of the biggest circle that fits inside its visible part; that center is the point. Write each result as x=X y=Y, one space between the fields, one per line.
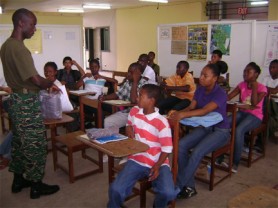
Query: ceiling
x=53 y=5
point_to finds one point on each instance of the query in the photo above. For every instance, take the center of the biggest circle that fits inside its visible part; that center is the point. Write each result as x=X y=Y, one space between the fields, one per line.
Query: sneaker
x=224 y=164
x=186 y=192
x=234 y=169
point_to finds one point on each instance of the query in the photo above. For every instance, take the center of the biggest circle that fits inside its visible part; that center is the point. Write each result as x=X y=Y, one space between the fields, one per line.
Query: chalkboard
x=247 y=43
x=57 y=41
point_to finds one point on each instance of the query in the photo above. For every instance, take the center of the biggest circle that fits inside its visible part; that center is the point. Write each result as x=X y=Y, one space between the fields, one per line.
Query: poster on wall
x=179 y=39
x=220 y=38
x=271 y=44
x=165 y=33
x=197 y=42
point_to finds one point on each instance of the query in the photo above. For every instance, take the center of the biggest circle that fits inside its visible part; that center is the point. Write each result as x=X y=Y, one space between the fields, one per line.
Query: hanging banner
x=271 y=44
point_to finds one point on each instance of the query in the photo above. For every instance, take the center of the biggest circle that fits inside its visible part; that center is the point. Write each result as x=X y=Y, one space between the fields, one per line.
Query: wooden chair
x=227 y=149
x=144 y=184
x=253 y=135
x=120 y=76
x=68 y=144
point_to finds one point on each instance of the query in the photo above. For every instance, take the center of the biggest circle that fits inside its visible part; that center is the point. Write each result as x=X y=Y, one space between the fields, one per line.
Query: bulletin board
x=55 y=42
x=247 y=42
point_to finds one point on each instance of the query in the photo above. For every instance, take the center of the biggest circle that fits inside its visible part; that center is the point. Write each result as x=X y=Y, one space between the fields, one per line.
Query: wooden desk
x=2 y=94
x=53 y=123
x=240 y=105
x=119 y=103
x=121 y=148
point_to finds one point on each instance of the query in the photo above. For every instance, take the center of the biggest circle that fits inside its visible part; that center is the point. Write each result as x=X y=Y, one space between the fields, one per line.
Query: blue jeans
x=6 y=146
x=202 y=141
x=245 y=122
x=122 y=186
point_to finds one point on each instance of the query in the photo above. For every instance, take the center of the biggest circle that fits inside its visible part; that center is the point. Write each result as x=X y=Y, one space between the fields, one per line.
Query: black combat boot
x=19 y=183
x=40 y=188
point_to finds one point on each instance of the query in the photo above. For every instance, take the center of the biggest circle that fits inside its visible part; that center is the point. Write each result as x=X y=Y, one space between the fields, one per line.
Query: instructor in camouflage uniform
x=29 y=145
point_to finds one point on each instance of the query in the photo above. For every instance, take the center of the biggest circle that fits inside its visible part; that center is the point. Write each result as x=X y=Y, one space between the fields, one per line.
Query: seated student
x=50 y=72
x=217 y=57
x=271 y=82
x=5 y=151
x=154 y=66
x=251 y=92
x=129 y=92
x=145 y=124
x=147 y=72
x=94 y=81
x=6 y=145
x=69 y=77
x=182 y=83
x=209 y=97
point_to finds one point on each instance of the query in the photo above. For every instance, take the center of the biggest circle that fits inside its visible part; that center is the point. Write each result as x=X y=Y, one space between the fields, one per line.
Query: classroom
x=135 y=30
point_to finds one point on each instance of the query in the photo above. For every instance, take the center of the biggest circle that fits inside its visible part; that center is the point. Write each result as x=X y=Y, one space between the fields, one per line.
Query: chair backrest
x=265 y=107
x=232 y=109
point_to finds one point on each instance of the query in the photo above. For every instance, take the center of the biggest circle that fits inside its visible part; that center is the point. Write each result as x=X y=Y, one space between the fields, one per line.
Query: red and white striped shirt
x=154 y=130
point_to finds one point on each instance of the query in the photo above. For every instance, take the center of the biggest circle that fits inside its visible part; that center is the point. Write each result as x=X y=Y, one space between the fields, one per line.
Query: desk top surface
x=118 y=148
x=65 y=119
x=81 y=92
x=119 y=103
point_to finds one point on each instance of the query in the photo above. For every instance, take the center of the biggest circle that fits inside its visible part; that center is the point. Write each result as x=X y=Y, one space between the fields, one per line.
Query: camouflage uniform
x=29 y=145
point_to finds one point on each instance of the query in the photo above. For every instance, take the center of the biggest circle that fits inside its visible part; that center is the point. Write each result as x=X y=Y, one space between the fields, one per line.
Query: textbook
x=105 y=135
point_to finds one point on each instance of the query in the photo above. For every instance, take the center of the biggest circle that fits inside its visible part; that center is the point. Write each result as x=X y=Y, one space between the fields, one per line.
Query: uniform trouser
x=29 y=145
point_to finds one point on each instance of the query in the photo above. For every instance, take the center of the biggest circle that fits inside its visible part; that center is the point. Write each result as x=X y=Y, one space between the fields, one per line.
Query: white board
x=58 y=41
x=248 y=42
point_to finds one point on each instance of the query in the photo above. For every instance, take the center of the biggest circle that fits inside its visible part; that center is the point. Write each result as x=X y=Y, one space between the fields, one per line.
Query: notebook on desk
x=105 y=139
x=117 y=102
x=81 y=92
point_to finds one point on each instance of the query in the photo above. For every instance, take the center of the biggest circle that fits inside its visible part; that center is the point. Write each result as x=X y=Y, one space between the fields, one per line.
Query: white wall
x=94 y=20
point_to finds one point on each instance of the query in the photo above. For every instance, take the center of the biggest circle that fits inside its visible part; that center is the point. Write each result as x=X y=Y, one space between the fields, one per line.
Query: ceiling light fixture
x=96 y=6
x=259 y=2
x=156 y=1
x=0 y=10
x=70 y=10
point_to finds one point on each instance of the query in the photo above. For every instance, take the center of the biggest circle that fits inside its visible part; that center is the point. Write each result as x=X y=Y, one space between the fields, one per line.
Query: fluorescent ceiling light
x=96 y=6
x=70 y=10
x=156 y=1
x=0 y=10
x=259 y=2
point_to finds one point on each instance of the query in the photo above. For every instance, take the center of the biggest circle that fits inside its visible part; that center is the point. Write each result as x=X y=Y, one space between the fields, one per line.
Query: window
x=236 y=9
x=105 y=39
